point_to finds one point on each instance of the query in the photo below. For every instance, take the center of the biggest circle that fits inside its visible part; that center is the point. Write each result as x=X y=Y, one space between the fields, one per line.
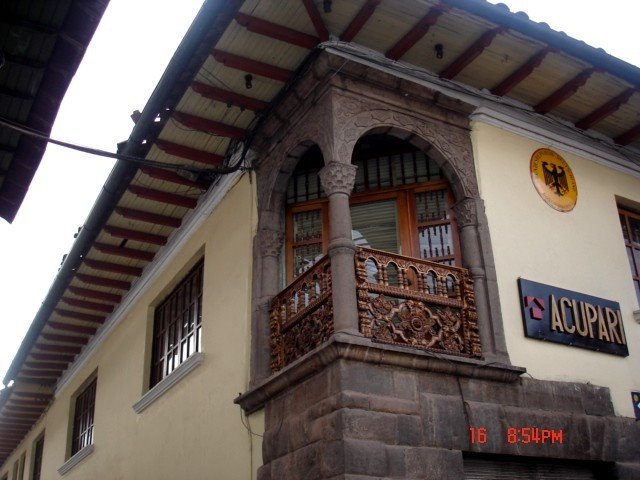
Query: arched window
x=401 y=203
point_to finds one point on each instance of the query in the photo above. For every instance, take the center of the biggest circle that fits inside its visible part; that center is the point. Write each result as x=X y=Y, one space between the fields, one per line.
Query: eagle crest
x=556 y=178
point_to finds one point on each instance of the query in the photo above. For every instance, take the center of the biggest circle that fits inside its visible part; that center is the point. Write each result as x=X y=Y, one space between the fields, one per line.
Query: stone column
x=470 y=217
x=337 y=180
x=269 y=246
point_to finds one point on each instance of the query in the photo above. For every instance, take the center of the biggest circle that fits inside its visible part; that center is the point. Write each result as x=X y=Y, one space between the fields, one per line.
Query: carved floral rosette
x=417 y=303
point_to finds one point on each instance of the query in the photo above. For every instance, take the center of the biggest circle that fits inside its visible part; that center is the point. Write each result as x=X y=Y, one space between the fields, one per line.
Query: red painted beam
x=45 y=347
x=113 y=267
x=39 y=395
x=126 y=252
x=135 y=235
x=629 y=136
x=208 y=126
x=564 y=92
x=605 y=110
x=172 y=177
x=416 y=33
x=163 y=197
x=86 y=317
x=251 y=66
x=100 y=307
x=279 y=32
x=471 y=53
x=53 y=337
x=521 y=73
x=51 y=357
x=67 y=327
x=103 y=282
x=96 y=294
x=359 y=20
x=148 y=217
x=316 y=19
x=190 y=153
x=59 y=366
x=229 y=98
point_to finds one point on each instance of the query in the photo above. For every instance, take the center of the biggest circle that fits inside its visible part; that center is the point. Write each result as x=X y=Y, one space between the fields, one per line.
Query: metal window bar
x=83 y=418
x=177 y=326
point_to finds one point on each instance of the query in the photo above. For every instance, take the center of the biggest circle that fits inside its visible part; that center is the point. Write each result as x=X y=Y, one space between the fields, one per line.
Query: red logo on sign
x=536 y=306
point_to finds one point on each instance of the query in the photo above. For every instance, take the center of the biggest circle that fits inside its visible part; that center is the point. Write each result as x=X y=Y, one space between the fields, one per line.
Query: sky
x=126 y=58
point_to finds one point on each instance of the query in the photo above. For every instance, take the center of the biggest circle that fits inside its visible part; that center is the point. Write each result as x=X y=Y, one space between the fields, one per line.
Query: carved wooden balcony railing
x=414 y=302
x=401 y=300
x=301 y=315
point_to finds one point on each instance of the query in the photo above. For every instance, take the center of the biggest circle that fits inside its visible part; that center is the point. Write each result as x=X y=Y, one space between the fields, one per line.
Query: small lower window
x=83 y=418
x=177 y=326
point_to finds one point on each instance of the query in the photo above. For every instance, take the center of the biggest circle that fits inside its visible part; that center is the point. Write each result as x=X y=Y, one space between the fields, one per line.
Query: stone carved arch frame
x=335 y=123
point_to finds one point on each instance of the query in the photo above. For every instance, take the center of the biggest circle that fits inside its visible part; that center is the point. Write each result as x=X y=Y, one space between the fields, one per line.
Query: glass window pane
x=307 y=226
x=375 y=225
x=435 y=241
x=634 y=271
x=635 y=230
x=305 y=256
x=432 y=206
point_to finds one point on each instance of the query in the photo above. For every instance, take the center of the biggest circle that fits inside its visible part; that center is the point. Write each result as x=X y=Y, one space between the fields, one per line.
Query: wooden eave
x=214 y=90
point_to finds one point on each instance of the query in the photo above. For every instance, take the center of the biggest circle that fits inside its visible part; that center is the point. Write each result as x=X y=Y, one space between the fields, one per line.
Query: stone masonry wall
x=358 y=420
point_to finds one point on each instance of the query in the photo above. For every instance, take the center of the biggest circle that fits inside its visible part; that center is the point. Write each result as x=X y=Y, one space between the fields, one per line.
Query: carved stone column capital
x=270 y=242
x=466 y=212
x=338 y=177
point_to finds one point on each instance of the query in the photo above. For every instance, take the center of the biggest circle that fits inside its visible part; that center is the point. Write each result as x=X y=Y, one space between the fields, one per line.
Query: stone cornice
x=354 y=347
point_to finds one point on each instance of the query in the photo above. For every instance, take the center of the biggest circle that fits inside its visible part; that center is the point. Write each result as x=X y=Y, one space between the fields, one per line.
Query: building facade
x=382 y=273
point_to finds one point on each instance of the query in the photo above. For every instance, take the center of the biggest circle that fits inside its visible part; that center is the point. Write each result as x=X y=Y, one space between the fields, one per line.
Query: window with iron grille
x=83 y=418
x=37 y=458
x=177 y=326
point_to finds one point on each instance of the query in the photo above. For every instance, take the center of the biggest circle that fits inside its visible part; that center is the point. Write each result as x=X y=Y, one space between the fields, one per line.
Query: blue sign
x=572 y=318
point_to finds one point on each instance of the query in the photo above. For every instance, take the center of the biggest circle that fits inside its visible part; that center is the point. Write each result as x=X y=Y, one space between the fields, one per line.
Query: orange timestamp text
x=519 y=435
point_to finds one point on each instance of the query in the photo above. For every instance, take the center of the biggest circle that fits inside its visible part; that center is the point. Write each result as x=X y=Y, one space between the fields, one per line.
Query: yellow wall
x=194 y=431
x=582 y=250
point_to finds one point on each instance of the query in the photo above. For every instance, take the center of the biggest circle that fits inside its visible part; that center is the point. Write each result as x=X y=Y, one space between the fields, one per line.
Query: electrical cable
x=119 y=156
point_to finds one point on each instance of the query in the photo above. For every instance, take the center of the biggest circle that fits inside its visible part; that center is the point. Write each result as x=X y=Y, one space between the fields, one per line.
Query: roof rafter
x=103 y=282
x=45 y=347
x=189 y=153
x=251 y=66
x=605 y=110
x=52 y=357
x=171 y=176
x=136 y=235
x=54 y=337
x=148 y=217
x=124 y=252
x=97 y=294
x=227 y=97
x=471 y=53
x=75 y=302
x=629 y=136
x=414 y=35
x=278 y=32
x=316 y=19
x=359 y=21
x=113 y=267
x=522 y=72
x=163 y=197
x=564 y=92
x=208 y=126
x=86 y=317
x=67 y=327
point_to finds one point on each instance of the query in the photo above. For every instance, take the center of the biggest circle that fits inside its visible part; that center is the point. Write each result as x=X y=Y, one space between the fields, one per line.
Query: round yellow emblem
x=553 y=179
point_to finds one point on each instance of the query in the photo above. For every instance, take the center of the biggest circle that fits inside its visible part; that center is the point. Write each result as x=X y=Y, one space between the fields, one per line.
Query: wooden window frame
x=83 y=417
x=635 y=247
x=162 y=327
x=406 y=217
